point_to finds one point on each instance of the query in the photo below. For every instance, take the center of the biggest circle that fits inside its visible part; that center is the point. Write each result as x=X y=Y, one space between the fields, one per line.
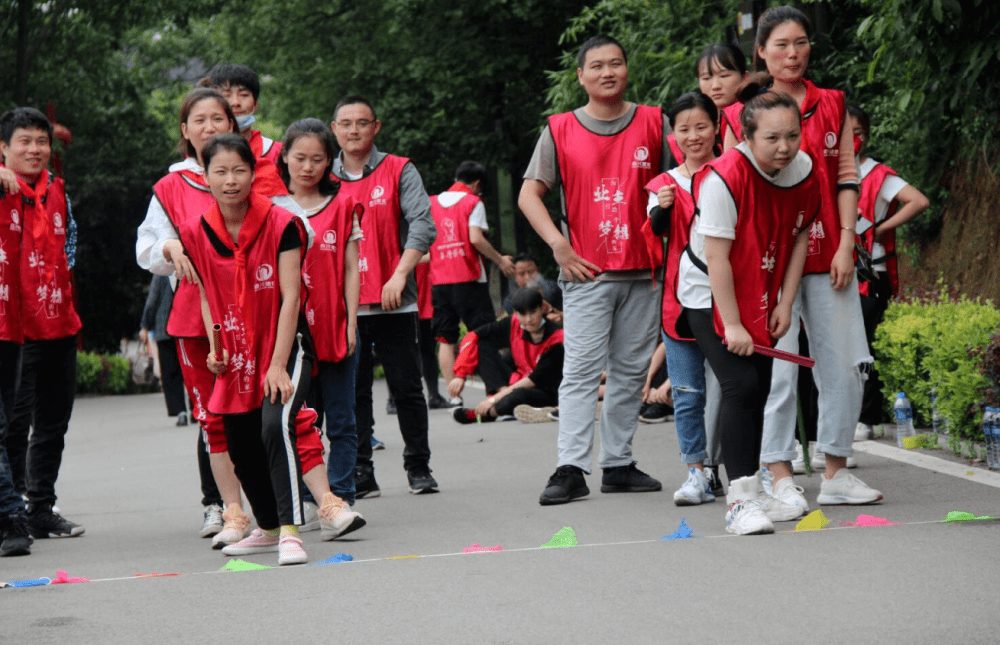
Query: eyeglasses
x=349 y=125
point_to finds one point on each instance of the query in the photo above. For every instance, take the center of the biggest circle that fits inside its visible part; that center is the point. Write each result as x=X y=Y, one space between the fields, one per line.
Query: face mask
x=244 y=121
x=858 y=141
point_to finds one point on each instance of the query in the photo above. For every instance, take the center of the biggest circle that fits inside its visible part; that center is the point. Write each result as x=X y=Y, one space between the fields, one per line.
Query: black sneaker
x=628 y=479
x=421 y=481
x=390 y=406
x=468 y=415
x=14 y=538
x=438 y=402
x=714 y=483
x=566 y=484
x=43 y=522
x=365 y=484
x=182 y=419
x=655 y=413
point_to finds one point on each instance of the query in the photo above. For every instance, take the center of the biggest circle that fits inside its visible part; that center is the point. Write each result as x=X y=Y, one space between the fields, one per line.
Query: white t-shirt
x=886 y=195
x=476 y=218
x=693 y=288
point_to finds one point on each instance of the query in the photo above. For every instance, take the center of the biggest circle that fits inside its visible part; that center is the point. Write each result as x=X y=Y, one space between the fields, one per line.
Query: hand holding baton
x=764 y=350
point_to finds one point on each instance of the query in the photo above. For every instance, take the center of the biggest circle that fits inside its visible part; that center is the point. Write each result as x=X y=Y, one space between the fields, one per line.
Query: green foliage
x=103 y=374
x=935 y=344
x=88 y=366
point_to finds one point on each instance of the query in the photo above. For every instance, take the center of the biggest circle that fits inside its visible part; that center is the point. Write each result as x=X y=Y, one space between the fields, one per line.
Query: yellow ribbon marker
x=402 y=557
x=815 y=521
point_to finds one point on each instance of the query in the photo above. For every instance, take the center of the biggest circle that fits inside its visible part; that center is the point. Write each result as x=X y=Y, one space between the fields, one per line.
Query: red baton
x=217 y=337
x=780 y=354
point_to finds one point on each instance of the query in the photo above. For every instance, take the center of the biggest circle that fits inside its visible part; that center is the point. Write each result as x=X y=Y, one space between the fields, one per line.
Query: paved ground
x=129 y=476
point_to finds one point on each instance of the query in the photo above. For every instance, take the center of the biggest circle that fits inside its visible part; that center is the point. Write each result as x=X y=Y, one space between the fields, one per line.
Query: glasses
x=349 y=125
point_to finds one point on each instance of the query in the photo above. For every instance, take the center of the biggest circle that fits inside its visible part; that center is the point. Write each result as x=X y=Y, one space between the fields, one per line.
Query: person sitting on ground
x=536 y=349
x=526 y=274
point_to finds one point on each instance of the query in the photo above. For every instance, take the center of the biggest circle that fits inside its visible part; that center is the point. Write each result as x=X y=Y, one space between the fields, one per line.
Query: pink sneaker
x=258 y=542
x=236 y=527
x=290 y=551
x=336 y=518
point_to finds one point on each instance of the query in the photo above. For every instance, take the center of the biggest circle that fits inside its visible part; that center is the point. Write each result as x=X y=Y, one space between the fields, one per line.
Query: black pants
x=262 y=447
x=209 y=490
x=495 y=368
x=43 y=406
x=745 y=382
x=873 y=308
x=11 y=505
x=428 y=357
x=172 y=380
x=394 y=337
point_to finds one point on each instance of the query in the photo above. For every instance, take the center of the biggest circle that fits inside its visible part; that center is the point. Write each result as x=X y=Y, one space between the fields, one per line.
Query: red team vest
x=323 y=275
x=265 y=149
x=453 y=258
x=870 y=185
x=241 y=387
x=47 y=309
x=11 y=225
x=380 y=251
x=675 y=149
x=425 y=299
x=680 y=233
x=769 y=219
x=731 y=119
x=602 y=180
x=823 y=116
x=525 y=353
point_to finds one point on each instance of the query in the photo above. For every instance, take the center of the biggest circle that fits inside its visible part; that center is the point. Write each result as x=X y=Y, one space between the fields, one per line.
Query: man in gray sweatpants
x=600 y=156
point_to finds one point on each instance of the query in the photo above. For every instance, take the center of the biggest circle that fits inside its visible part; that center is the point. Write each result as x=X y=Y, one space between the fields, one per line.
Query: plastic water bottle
x=937 y=422
x=991 y=431
x=904 y=418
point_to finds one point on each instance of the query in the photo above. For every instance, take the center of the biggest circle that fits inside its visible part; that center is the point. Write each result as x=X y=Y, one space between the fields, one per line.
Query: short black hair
x=524 y=256
x=690 y=101
x=469 y=171
x=22 y=117
x=594 y=42
x=352 y=100
x=526 y=300
x=864 y=120
x=232 y=143
x=234 y=74
x=310 y=128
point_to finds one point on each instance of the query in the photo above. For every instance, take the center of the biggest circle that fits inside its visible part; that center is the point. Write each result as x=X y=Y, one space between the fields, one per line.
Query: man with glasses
x=398 y=230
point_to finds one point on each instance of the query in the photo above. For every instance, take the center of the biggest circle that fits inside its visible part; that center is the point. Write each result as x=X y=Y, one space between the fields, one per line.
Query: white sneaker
x=818 y=462
x=310 y=517
x=845 y=488
x=336 y=518
x=527 y=414
x=799 y=463
x=455 y=402
x=695 y=489
x=782 y=501
x=290 y=551
x=745 y=515
x=863 y=432
x=236 y=527
x=213 y=521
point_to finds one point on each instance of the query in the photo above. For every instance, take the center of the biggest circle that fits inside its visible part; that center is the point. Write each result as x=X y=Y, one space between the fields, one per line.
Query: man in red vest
x=600 y=156
x=399 y=230
x=241 y=87
x=47 y=386
x=461 y=289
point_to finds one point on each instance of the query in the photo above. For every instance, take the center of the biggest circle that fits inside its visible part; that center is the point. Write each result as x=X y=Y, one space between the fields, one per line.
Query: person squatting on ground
x=46 y=386
x=536 y=351
x=600 y=156
x=461 y=290
x=398 y=230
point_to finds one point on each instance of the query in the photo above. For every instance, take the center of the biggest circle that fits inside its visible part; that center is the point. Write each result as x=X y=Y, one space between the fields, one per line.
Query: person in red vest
x=721 y=70
x=241 y=87
x=600 y=156
x=886 y=203
x=48 y=320
x=460 y=288
x=535 y=345
x=398 y=230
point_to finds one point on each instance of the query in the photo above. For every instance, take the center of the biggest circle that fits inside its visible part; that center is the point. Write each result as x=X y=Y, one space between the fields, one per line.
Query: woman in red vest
x=882 y=190
x=828 y=304
x=721 y=70
x=755 y=204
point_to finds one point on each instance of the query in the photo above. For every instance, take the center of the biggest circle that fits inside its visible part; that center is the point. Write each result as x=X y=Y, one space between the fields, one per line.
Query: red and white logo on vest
x=329 y=242
x=15 y=220
x=640 y=158
x=448 y=225
x=378 y=197
x=57 y=219
x=830 y=141
x=264 y=275
x=4 y=287
x=816 y=233
x=613 y=232
x=767 y=262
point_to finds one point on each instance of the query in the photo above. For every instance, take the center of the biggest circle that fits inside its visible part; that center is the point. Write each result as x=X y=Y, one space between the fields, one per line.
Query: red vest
x=241 y=387
x=823 y=116
x=731 y=119
x=681 y=218
x=769 y=219
x=525 y=353
x=871 y=184
x=47 y=309
x=602 y=180
x=380 y=251
x=323 y=274
x=11 y=220
x=453 y=258
x=675 y=149
x=425 y=301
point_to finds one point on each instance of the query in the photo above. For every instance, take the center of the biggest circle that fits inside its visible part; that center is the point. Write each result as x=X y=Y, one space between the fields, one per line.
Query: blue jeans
x=332 y=396
x=11 y=504
x=686 y=369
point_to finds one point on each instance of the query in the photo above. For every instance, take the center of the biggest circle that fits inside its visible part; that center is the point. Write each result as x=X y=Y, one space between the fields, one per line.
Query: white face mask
x=244 y=121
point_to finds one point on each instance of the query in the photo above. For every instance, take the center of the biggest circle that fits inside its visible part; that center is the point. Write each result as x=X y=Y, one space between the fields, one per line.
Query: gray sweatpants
x=609 y=324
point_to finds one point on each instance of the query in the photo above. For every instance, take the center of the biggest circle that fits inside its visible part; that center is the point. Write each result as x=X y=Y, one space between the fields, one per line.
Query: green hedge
x=103 y=374
x=936 y=343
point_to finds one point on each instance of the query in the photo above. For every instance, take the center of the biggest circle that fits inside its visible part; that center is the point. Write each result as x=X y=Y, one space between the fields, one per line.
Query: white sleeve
x=652 y=203
x=717 y=209
x=891 y=187
x=478 y=217
x=153 y=233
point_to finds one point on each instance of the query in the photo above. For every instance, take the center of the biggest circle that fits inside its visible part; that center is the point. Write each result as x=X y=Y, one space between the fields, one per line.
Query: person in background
x=154 y=318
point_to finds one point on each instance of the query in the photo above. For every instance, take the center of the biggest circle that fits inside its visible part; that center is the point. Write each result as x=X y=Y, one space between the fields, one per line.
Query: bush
x=103 y=374
x=88 y=366
x=937 y=344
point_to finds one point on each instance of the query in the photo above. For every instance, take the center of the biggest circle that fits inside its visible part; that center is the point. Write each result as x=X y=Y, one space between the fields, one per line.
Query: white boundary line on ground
x=938 y=465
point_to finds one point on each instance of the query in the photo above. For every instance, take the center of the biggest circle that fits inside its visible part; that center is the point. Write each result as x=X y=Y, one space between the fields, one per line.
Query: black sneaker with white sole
x=565 y=485
x=714 y=484
x=365 y=486
x=14 y=537
x=421 y=482
x=628 y=479
x=43 y=523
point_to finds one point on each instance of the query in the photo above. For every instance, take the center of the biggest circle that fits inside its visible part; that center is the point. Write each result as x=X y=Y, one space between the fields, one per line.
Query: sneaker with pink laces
x=290 y=551
x=336 y=518
x=236 y=527
x=257 y=542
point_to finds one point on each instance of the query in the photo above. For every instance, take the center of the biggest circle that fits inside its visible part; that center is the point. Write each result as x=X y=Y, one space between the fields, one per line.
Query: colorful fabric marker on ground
x=965 y=516
x=243 y=565
x=812 y=522
x=477 y=548
x=683 y=532
x=30 y=582
x=340 y=557
x=563 y=537
x=62 y=579
x=870 y=520
x=157 y=575
x=403 y=557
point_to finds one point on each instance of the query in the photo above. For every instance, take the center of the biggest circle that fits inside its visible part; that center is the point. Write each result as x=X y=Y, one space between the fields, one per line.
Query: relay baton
x=217 y=337
x=764 y=350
